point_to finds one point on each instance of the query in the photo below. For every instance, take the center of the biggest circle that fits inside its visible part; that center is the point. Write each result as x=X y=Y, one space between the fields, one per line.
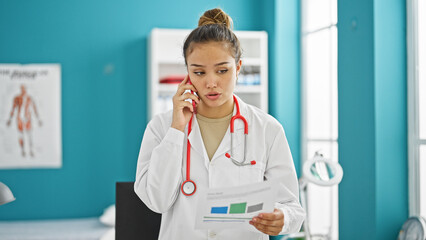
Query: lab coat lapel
x=197 y=143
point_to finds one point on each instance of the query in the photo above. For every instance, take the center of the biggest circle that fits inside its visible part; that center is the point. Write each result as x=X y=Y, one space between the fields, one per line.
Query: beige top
x=212 y=131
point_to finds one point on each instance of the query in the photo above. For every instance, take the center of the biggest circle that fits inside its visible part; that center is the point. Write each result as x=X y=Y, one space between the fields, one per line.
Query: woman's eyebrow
x=222 y=63
x=217 y=64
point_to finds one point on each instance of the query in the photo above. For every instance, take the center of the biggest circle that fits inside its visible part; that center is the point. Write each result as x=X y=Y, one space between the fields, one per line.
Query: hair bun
x=215 y=16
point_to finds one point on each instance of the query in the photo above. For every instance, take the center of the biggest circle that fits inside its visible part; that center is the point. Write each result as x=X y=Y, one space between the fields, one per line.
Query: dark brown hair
x=215 y=25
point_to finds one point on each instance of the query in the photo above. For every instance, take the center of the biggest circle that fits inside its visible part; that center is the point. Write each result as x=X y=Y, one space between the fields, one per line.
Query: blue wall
x=104 y=113
x=373 y=201
x=356 y=118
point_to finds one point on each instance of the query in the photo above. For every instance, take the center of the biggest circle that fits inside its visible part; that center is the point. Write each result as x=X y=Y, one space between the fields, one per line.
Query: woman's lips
x=213 y=96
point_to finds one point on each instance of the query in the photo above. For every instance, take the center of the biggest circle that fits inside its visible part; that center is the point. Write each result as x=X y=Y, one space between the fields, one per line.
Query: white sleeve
x=159 y=168
x=280 y=167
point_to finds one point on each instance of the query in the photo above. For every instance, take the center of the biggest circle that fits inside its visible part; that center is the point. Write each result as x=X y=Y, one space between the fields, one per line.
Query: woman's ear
x=239 y=64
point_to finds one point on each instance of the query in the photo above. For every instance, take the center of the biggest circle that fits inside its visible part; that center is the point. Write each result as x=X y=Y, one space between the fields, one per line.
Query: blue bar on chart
x=219 y=210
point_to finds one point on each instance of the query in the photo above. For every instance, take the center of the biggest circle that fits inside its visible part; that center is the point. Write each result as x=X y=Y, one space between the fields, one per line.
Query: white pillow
x=108 y=217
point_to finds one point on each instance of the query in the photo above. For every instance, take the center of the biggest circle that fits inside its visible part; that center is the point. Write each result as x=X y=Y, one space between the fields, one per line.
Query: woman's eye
x=223 y=71
x=198 y=73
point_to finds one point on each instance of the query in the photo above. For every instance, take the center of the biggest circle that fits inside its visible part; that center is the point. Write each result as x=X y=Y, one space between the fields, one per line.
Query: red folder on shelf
x=172 y=79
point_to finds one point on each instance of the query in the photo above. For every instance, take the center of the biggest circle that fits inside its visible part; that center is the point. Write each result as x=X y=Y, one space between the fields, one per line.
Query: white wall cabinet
x=165 y=61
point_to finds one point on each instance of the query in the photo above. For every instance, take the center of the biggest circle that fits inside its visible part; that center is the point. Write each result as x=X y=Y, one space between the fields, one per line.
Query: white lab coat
x=161 y=169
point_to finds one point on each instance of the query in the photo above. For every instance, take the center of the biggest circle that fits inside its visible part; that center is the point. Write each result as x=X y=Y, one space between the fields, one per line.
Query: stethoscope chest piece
x=188 y=188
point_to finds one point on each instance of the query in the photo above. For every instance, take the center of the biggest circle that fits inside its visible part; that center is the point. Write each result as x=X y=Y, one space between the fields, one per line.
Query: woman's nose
x=211 y=82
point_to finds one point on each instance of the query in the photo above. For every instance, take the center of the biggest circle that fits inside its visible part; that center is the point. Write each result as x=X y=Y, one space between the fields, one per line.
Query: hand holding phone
x=184 y=104
x=189 y=99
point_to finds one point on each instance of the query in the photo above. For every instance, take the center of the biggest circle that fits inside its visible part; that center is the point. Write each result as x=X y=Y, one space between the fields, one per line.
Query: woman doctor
x=212 y=56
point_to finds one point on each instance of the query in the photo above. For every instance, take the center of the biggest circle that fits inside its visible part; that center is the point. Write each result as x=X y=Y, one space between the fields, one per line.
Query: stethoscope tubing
x=235 y=117
x=188 y=153
x=188 y=158
x=188 y=147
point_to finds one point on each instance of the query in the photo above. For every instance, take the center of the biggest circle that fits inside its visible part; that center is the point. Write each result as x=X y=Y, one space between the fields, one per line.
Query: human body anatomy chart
x=30 y=116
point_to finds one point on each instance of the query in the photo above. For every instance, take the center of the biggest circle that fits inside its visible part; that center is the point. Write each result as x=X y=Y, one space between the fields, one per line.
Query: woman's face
x=213 y=72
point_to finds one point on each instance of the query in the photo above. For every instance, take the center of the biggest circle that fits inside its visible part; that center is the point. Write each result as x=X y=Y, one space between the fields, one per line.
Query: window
x=416 y=51
x=319 y=101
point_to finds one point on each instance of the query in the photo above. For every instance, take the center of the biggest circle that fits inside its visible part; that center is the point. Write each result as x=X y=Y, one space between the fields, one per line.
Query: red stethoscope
x=188 y=187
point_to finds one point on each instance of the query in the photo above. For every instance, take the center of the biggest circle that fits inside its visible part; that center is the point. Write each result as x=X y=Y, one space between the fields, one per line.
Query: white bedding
x=63 y=229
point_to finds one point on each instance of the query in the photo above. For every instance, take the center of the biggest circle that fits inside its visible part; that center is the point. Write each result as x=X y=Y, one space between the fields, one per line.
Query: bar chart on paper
x=226 y=213
x=234 y=207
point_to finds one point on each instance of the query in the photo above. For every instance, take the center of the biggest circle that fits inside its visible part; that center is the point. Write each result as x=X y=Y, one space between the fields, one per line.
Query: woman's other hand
x=269 y=223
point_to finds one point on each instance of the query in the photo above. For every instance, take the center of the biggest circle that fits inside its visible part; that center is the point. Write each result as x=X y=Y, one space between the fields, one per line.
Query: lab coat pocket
x=251 y=173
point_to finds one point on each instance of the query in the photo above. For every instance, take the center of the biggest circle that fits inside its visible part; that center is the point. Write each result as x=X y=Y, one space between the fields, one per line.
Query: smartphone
x=190 y=100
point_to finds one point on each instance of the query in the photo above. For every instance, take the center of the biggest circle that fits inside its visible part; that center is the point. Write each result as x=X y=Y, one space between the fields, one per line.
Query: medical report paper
x=234 y=207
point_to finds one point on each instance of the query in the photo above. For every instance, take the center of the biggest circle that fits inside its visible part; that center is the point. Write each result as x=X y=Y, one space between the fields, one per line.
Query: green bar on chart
x=238 y=208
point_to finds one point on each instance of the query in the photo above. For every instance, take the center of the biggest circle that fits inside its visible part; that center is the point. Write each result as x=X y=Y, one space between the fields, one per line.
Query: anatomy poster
x=30 y=116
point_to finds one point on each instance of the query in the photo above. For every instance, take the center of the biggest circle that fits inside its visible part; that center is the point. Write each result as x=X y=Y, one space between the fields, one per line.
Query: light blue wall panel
x=391 y=117
x=282 y=21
